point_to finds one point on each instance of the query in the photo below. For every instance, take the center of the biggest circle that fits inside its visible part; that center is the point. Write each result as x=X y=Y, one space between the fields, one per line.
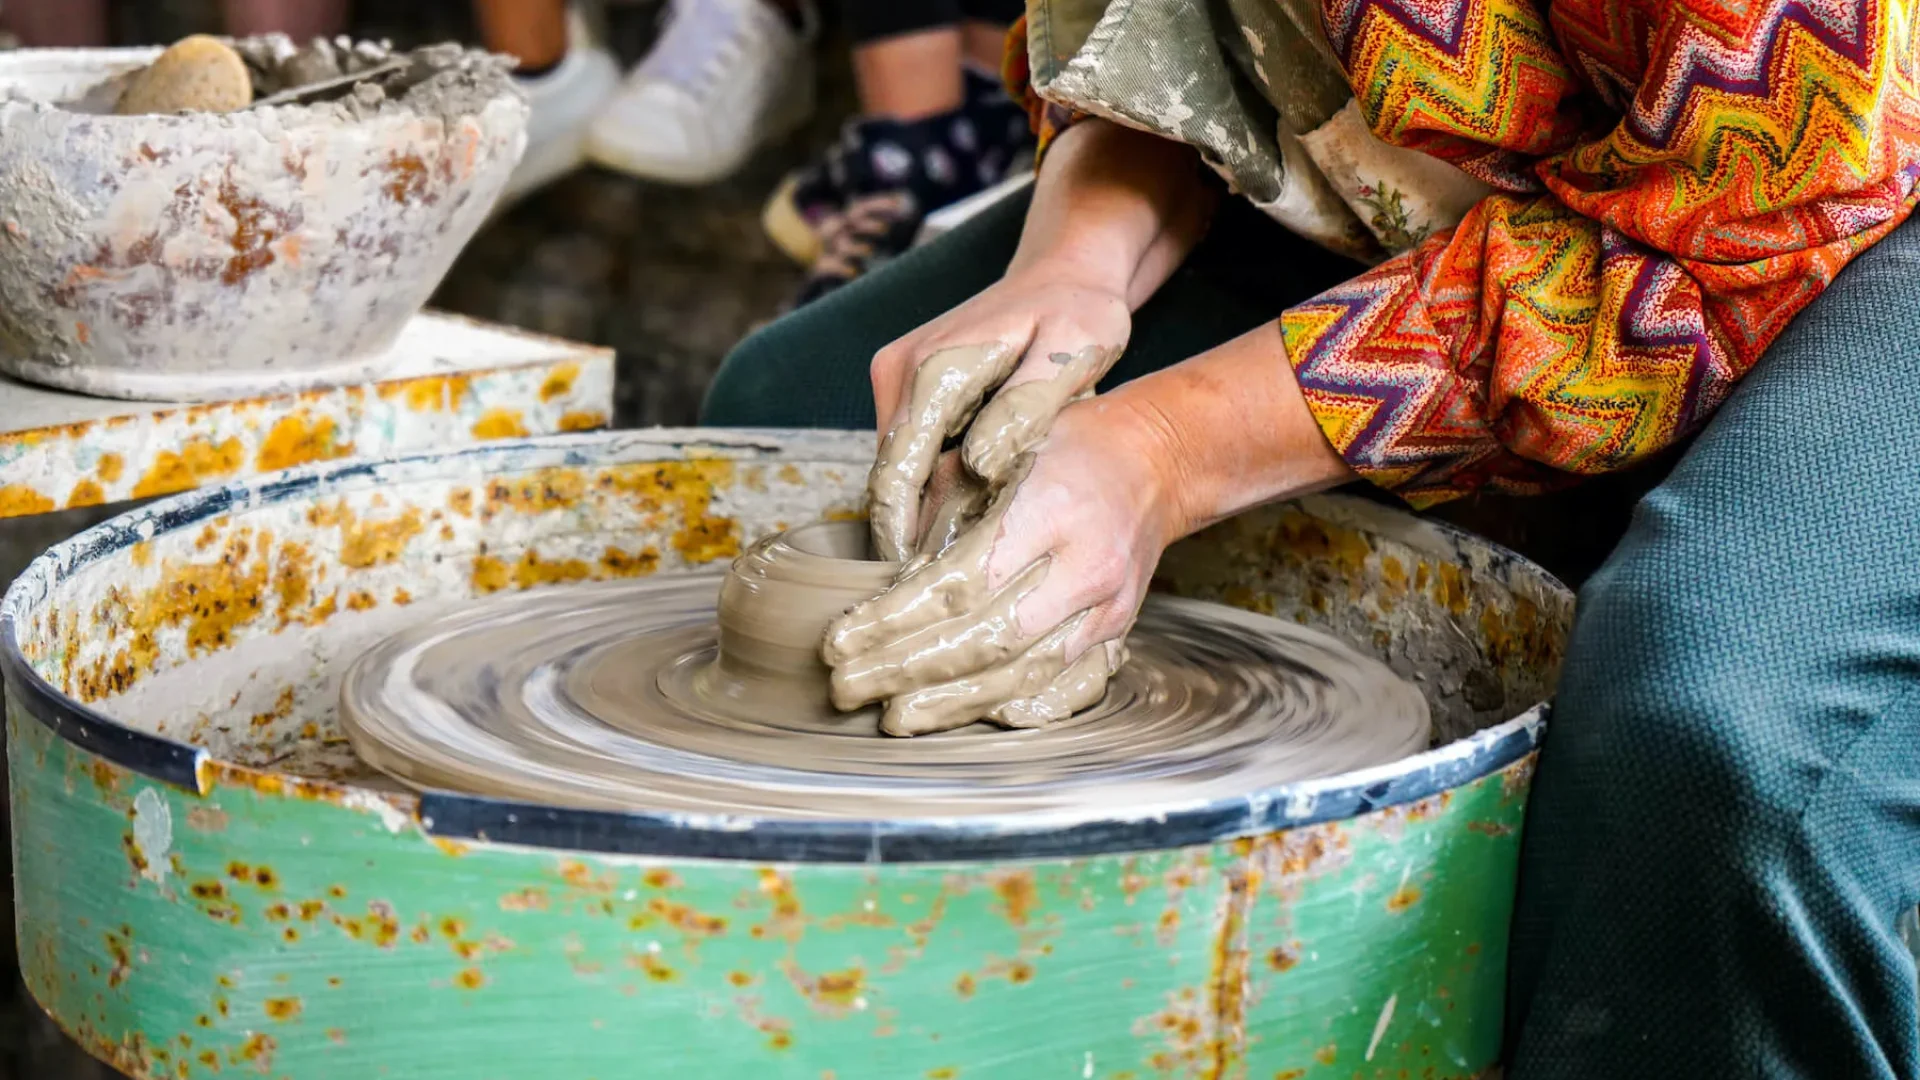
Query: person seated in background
x=935 y=125
x=82 y=24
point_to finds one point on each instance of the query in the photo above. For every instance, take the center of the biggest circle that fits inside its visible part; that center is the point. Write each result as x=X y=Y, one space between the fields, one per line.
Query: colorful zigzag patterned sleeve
x=1678 y=179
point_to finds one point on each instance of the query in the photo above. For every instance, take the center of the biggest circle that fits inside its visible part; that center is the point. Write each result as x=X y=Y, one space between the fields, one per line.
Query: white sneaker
x=563 y=103
x=726 y=76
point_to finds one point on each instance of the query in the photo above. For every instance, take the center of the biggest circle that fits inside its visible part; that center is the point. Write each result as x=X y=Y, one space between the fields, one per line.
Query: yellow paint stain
x=790 y=474
x=1403 y=898
x=109 y=467
x=86 y=493
x=489 y=575
x=283 y=1009
x=198 y=461
x=438 y=393
x=559 y=382
x=1451 y=590
x=532 y=570
x=583 y=420
x=690 y=487
x=1327 y=1054
x=541 y=492
x=500 y=423
x=299 y=440
x=616 y=563
x=364 y=544
x=17 y=500
x=470 y=979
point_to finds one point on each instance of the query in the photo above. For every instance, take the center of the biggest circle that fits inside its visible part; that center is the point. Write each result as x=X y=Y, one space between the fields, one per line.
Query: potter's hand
x=1021 y=619
x=1004 y=362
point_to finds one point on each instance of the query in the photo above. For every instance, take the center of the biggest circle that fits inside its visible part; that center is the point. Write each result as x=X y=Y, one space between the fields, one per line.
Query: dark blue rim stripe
x=465 y=817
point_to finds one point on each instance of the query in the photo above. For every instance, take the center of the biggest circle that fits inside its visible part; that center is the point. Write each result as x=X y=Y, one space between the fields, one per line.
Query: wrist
x=1226 y=431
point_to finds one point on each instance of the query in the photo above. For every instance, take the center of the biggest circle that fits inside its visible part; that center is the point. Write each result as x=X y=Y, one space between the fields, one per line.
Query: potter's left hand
x=1021 y=618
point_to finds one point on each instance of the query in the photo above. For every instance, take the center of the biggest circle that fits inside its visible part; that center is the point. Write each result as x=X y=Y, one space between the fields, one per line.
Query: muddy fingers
x=1079 y=686
x=960 y=702
x=948 y=387
x=1021 y=414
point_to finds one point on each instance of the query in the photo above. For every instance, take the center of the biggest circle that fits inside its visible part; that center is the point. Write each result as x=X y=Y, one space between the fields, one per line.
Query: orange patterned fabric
x=1047 y=118
x=1676 y=180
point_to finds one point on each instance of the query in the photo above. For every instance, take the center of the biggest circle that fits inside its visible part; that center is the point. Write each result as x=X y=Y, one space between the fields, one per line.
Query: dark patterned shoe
x=941 y=159
x=873 y=229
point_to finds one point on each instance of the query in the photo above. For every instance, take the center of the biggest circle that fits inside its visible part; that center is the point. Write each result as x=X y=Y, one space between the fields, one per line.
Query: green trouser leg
x=1725 y=824
x=809 y=369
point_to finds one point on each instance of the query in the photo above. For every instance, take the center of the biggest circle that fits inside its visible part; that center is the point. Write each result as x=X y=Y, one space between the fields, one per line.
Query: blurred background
x=669 y=275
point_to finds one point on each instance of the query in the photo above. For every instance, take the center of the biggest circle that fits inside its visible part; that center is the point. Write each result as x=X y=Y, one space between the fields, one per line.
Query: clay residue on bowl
x=446 y=81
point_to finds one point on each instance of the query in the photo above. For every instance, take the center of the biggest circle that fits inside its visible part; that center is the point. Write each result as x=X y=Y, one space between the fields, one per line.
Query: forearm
x=1226 y=431
x=1115 y=206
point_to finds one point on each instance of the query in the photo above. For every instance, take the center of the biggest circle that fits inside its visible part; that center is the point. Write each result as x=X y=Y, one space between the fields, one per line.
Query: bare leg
x=57 y=24
x=910 y=76
x=985 y=43
x=301 y=20
x=535 y=31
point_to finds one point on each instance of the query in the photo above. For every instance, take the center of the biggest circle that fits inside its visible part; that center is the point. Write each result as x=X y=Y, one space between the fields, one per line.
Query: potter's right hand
x=1000 y=367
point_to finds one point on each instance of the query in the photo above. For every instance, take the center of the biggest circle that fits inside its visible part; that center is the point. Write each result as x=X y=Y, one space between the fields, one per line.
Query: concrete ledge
x=450 y=382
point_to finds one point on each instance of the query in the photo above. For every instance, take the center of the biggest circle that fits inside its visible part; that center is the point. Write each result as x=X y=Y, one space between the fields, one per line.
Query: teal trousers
x=1725 y=824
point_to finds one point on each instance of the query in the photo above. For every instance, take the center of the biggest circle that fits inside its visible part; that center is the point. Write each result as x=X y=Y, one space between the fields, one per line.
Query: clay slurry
x=613 y=696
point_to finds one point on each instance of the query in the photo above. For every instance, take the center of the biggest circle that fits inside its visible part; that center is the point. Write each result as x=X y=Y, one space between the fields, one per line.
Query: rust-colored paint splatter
x=120 y=949
x=19 y=500
x=965 y=985
x=1018 y=897
x=257 y=1051
x=740 y=979
x=583 y=420
x=1284 y=957
x=559 y=381
x=500 y=423
x=195 y=463
x=283 y=1009
x=86 y=493
x=282 y=708
x=408 y=178
x=1403 y=898
x=299 y=439
x=109 y=467
x=656 y=969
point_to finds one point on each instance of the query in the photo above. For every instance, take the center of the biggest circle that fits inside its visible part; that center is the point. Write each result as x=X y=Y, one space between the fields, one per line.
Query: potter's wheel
x=588 y=697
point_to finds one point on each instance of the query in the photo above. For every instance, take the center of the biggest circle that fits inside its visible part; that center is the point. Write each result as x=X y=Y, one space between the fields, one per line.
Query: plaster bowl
x=198 y=256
